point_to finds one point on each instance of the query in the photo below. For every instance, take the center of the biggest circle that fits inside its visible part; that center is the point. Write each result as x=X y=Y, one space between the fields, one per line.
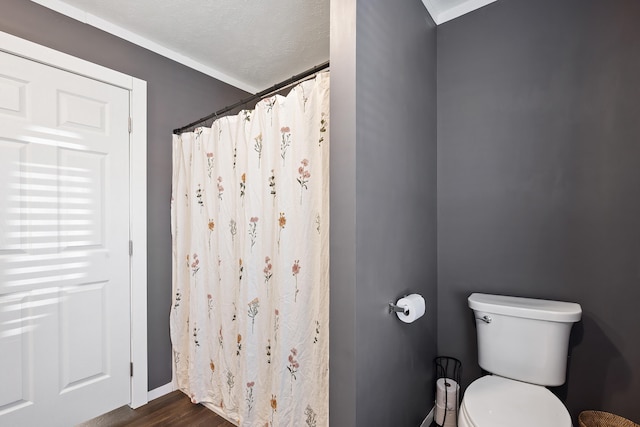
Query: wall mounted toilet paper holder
x=393 y=308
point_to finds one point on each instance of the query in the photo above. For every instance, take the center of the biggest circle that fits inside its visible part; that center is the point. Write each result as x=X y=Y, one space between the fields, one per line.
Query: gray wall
x=383 y=219
x=395 y=209
x=539 y=180
x=177 y=95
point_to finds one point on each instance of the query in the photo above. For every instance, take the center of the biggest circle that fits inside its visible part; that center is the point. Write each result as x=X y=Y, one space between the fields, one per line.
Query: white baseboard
x=212 y=408
x=161 y=391
x=429 y=419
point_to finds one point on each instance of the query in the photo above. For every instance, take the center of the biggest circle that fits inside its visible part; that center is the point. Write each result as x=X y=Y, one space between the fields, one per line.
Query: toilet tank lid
x=530 y=308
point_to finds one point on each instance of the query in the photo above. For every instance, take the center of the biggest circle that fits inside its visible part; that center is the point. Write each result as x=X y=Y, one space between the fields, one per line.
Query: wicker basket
x=603 y=419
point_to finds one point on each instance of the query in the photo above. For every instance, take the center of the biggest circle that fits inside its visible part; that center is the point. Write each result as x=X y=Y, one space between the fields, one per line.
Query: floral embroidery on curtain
x=249 y=219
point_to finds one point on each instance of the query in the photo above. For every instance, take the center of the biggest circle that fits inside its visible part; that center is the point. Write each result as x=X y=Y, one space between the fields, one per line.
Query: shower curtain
x=250 y=226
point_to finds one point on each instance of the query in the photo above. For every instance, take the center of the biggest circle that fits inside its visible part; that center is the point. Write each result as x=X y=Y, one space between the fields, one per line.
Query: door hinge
x=131 y=369
x=130 y=247
x=130 y=124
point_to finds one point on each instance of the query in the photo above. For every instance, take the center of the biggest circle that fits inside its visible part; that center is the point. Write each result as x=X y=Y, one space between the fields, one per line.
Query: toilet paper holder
x=393 y=308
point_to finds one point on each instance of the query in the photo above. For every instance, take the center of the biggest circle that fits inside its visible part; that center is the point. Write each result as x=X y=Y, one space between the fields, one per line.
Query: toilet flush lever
x=485 y=318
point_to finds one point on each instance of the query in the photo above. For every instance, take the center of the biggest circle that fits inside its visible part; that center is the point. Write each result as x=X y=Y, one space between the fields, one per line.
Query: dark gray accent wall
x=383 y=211
x=395 y=209
x=539 y=180
x=176 y=95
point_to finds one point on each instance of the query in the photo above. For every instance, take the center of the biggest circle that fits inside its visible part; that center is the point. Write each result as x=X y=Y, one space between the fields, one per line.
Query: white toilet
x=523 y=343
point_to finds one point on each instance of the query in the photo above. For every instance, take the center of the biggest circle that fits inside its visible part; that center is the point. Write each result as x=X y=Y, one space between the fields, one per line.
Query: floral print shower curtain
x=250 y=227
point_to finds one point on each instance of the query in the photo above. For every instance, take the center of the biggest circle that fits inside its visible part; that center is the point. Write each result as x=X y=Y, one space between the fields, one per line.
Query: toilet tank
x=524 y=339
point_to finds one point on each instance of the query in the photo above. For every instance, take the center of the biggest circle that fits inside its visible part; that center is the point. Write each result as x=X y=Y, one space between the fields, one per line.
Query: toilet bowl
x=493 y=401
x=523 y=343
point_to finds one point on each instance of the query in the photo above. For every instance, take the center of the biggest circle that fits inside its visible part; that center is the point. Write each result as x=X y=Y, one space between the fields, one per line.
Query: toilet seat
x=493 y=401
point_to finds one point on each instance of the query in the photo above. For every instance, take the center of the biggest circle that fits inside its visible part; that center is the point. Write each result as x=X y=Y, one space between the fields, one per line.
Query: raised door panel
x=15 y=355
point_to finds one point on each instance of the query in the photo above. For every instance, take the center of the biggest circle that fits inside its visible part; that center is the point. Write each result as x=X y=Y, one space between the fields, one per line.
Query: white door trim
x=138 y=235
x=138 y=188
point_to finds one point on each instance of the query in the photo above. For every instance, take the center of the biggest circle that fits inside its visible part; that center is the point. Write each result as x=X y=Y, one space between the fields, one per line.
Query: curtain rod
x=272 y=89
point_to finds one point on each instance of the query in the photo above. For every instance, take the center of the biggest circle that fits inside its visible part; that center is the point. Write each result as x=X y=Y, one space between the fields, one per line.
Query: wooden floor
x=173 y=409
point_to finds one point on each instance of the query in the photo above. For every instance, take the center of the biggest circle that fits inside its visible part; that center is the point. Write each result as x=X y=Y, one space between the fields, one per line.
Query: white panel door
x=64 y=246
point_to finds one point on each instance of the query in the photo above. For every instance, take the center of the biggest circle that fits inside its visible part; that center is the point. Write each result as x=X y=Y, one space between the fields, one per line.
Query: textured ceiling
x=251 y=44
x=445 y=10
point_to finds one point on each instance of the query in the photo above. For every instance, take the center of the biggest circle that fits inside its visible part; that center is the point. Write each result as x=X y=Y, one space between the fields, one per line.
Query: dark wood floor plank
x=173 y=409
